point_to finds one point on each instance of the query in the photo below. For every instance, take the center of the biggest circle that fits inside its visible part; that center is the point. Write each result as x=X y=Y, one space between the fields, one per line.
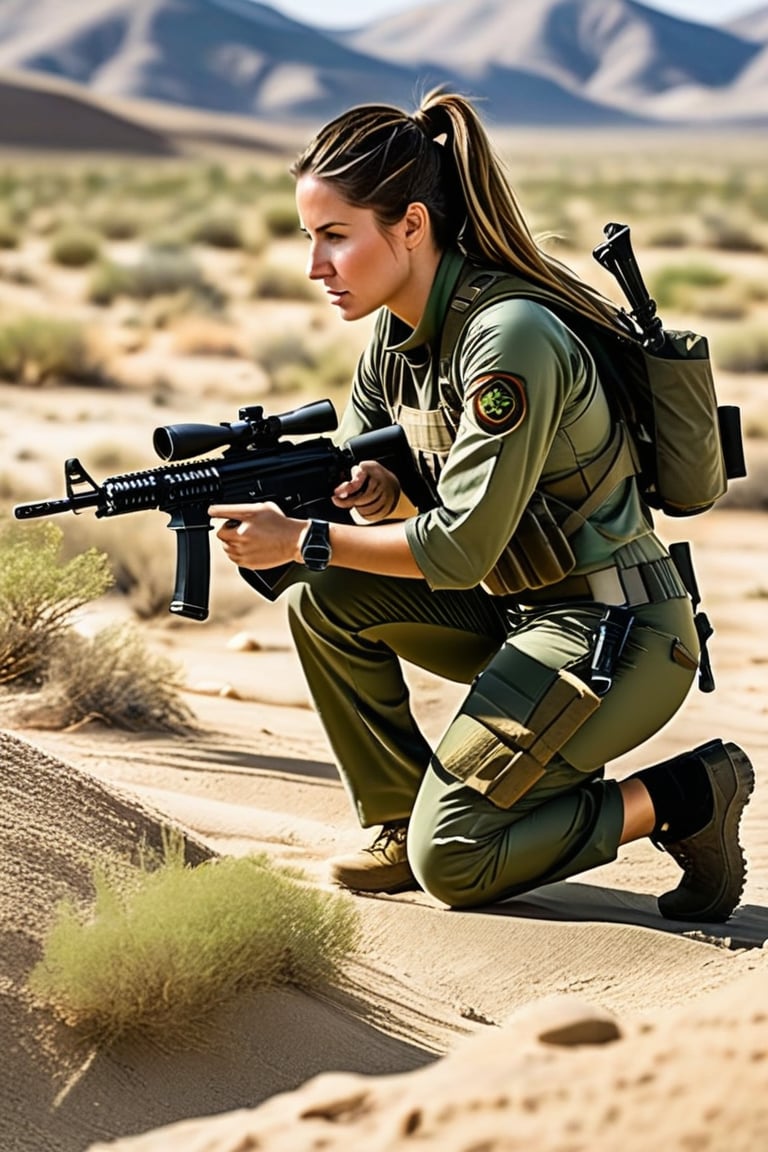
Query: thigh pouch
x=500 y=756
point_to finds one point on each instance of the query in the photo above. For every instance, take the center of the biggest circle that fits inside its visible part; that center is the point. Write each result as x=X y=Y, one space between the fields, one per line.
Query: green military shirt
x=521 y=405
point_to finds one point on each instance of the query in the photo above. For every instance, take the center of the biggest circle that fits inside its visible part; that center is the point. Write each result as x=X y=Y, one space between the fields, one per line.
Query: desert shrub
x=276 y=282
x=159 y=272
x=75 y=247
x=111 y=677
x=39 y=594
x=219 y=228
x=744 y=349
x=336 y=366
x=118 y=222
x=673 y=285
x=728 y=303
x=39 y=350
x=167 y=311
x=109 y=281
x=733 y=235
x=18 y=274
x=756 y=291
x=669 y=234
x=8 y=488
x=9 y=233
x=157 y=956
x=160 y=390
x=279 y=214
x=295 y=365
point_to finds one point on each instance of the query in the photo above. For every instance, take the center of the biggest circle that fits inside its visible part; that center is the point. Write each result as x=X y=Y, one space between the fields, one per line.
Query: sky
x=352 y=13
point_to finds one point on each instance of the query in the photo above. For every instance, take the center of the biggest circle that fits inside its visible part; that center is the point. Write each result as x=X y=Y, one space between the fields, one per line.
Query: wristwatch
x=316 y=546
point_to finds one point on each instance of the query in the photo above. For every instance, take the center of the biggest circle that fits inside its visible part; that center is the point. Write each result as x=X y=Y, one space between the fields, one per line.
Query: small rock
x=565 y=1020
x=214 y=688
x=243 y=642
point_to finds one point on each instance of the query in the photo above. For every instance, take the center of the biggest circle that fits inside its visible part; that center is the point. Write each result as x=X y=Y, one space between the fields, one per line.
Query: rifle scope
x=251 y=432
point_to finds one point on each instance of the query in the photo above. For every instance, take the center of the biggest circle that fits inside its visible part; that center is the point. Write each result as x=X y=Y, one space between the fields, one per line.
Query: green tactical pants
x=351 y=629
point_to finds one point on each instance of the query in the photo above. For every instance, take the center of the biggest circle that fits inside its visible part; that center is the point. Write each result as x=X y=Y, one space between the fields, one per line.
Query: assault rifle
x=257 y=465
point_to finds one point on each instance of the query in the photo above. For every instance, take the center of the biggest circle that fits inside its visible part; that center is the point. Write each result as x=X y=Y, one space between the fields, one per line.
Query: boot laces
x=391 y=836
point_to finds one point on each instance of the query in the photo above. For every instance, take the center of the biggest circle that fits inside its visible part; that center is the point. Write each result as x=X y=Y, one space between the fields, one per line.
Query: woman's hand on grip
x=372 y=491
x=257 y=535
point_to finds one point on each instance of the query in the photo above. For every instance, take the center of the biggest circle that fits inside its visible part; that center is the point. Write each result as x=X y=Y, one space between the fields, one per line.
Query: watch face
x=316 y=549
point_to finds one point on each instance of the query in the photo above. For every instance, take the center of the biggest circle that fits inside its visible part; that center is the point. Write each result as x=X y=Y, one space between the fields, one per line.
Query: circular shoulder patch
x=499 y=403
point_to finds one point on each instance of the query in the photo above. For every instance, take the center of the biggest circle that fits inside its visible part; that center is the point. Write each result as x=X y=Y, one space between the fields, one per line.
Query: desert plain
x=574 y=1017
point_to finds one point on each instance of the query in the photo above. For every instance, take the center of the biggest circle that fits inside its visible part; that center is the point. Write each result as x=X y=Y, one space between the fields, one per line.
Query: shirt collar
x=446 y=278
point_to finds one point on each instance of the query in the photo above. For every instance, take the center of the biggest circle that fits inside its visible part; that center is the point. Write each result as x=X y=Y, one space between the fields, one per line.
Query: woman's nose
x=317 y=264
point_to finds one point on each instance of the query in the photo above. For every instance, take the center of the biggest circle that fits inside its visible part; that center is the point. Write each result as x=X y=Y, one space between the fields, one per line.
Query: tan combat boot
x=714 y=868
x=382 y=867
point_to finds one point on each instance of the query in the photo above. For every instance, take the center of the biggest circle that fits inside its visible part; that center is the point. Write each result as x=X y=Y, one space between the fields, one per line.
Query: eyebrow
x=328 y=226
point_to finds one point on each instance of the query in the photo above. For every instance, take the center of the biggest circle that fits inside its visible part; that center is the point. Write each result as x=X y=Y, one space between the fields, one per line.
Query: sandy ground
x=686 y=1003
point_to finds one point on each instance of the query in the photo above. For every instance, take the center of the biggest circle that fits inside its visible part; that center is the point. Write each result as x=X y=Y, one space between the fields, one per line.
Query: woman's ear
x=417 y=224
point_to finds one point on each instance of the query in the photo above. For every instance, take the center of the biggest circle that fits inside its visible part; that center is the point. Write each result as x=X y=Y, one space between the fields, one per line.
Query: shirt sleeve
x=516 y=372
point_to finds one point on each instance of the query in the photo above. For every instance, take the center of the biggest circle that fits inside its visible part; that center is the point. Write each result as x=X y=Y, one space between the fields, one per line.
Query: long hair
x=383 y=158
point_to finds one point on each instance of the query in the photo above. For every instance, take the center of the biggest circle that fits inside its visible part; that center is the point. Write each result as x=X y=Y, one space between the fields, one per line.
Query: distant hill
x=43 y=112
x=618 y=53
x=229 y=56
x=533 y=62
x=753 y=26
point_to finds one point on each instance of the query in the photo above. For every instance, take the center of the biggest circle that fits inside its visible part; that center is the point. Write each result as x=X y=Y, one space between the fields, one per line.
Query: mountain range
x=533 y=62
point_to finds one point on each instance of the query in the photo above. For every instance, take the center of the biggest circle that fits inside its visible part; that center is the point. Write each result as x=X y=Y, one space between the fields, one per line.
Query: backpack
x=684 y=447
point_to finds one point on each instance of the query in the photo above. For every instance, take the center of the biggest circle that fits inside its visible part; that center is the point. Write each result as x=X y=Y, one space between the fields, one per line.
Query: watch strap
x=316 y=546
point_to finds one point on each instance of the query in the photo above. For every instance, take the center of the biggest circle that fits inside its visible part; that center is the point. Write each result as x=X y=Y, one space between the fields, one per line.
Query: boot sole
x=360 y=883
x=735 y=873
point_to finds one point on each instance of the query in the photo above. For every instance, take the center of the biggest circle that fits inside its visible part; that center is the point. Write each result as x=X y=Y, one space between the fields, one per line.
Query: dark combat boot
x=382 y=867
x=699 y=798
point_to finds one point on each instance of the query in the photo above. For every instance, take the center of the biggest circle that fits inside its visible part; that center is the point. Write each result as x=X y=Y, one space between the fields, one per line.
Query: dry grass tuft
x=160 y=952
x=111 y=678
x=39 y=350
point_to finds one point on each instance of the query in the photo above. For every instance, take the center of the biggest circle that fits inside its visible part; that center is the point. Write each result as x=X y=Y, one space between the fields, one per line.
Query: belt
x=651 y=582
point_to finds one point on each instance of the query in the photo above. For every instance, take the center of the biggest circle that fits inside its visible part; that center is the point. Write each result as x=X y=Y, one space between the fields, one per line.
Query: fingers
x=357 y=485
x=236 y=512
x=371 y=490
x=237 y=517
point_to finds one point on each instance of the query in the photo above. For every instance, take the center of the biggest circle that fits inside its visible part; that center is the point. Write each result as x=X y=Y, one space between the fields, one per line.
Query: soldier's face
x=361 y=266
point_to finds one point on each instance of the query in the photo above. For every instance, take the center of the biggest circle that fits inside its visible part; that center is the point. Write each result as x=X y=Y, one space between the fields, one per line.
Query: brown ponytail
x=380 y=157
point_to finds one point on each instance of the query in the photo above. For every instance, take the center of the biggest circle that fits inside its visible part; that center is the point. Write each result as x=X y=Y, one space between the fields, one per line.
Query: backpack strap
x=615 y=463
x=588 y=487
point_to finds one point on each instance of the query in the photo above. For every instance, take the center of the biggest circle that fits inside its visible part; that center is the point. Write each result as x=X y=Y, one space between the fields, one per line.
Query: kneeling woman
x=497 y=568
